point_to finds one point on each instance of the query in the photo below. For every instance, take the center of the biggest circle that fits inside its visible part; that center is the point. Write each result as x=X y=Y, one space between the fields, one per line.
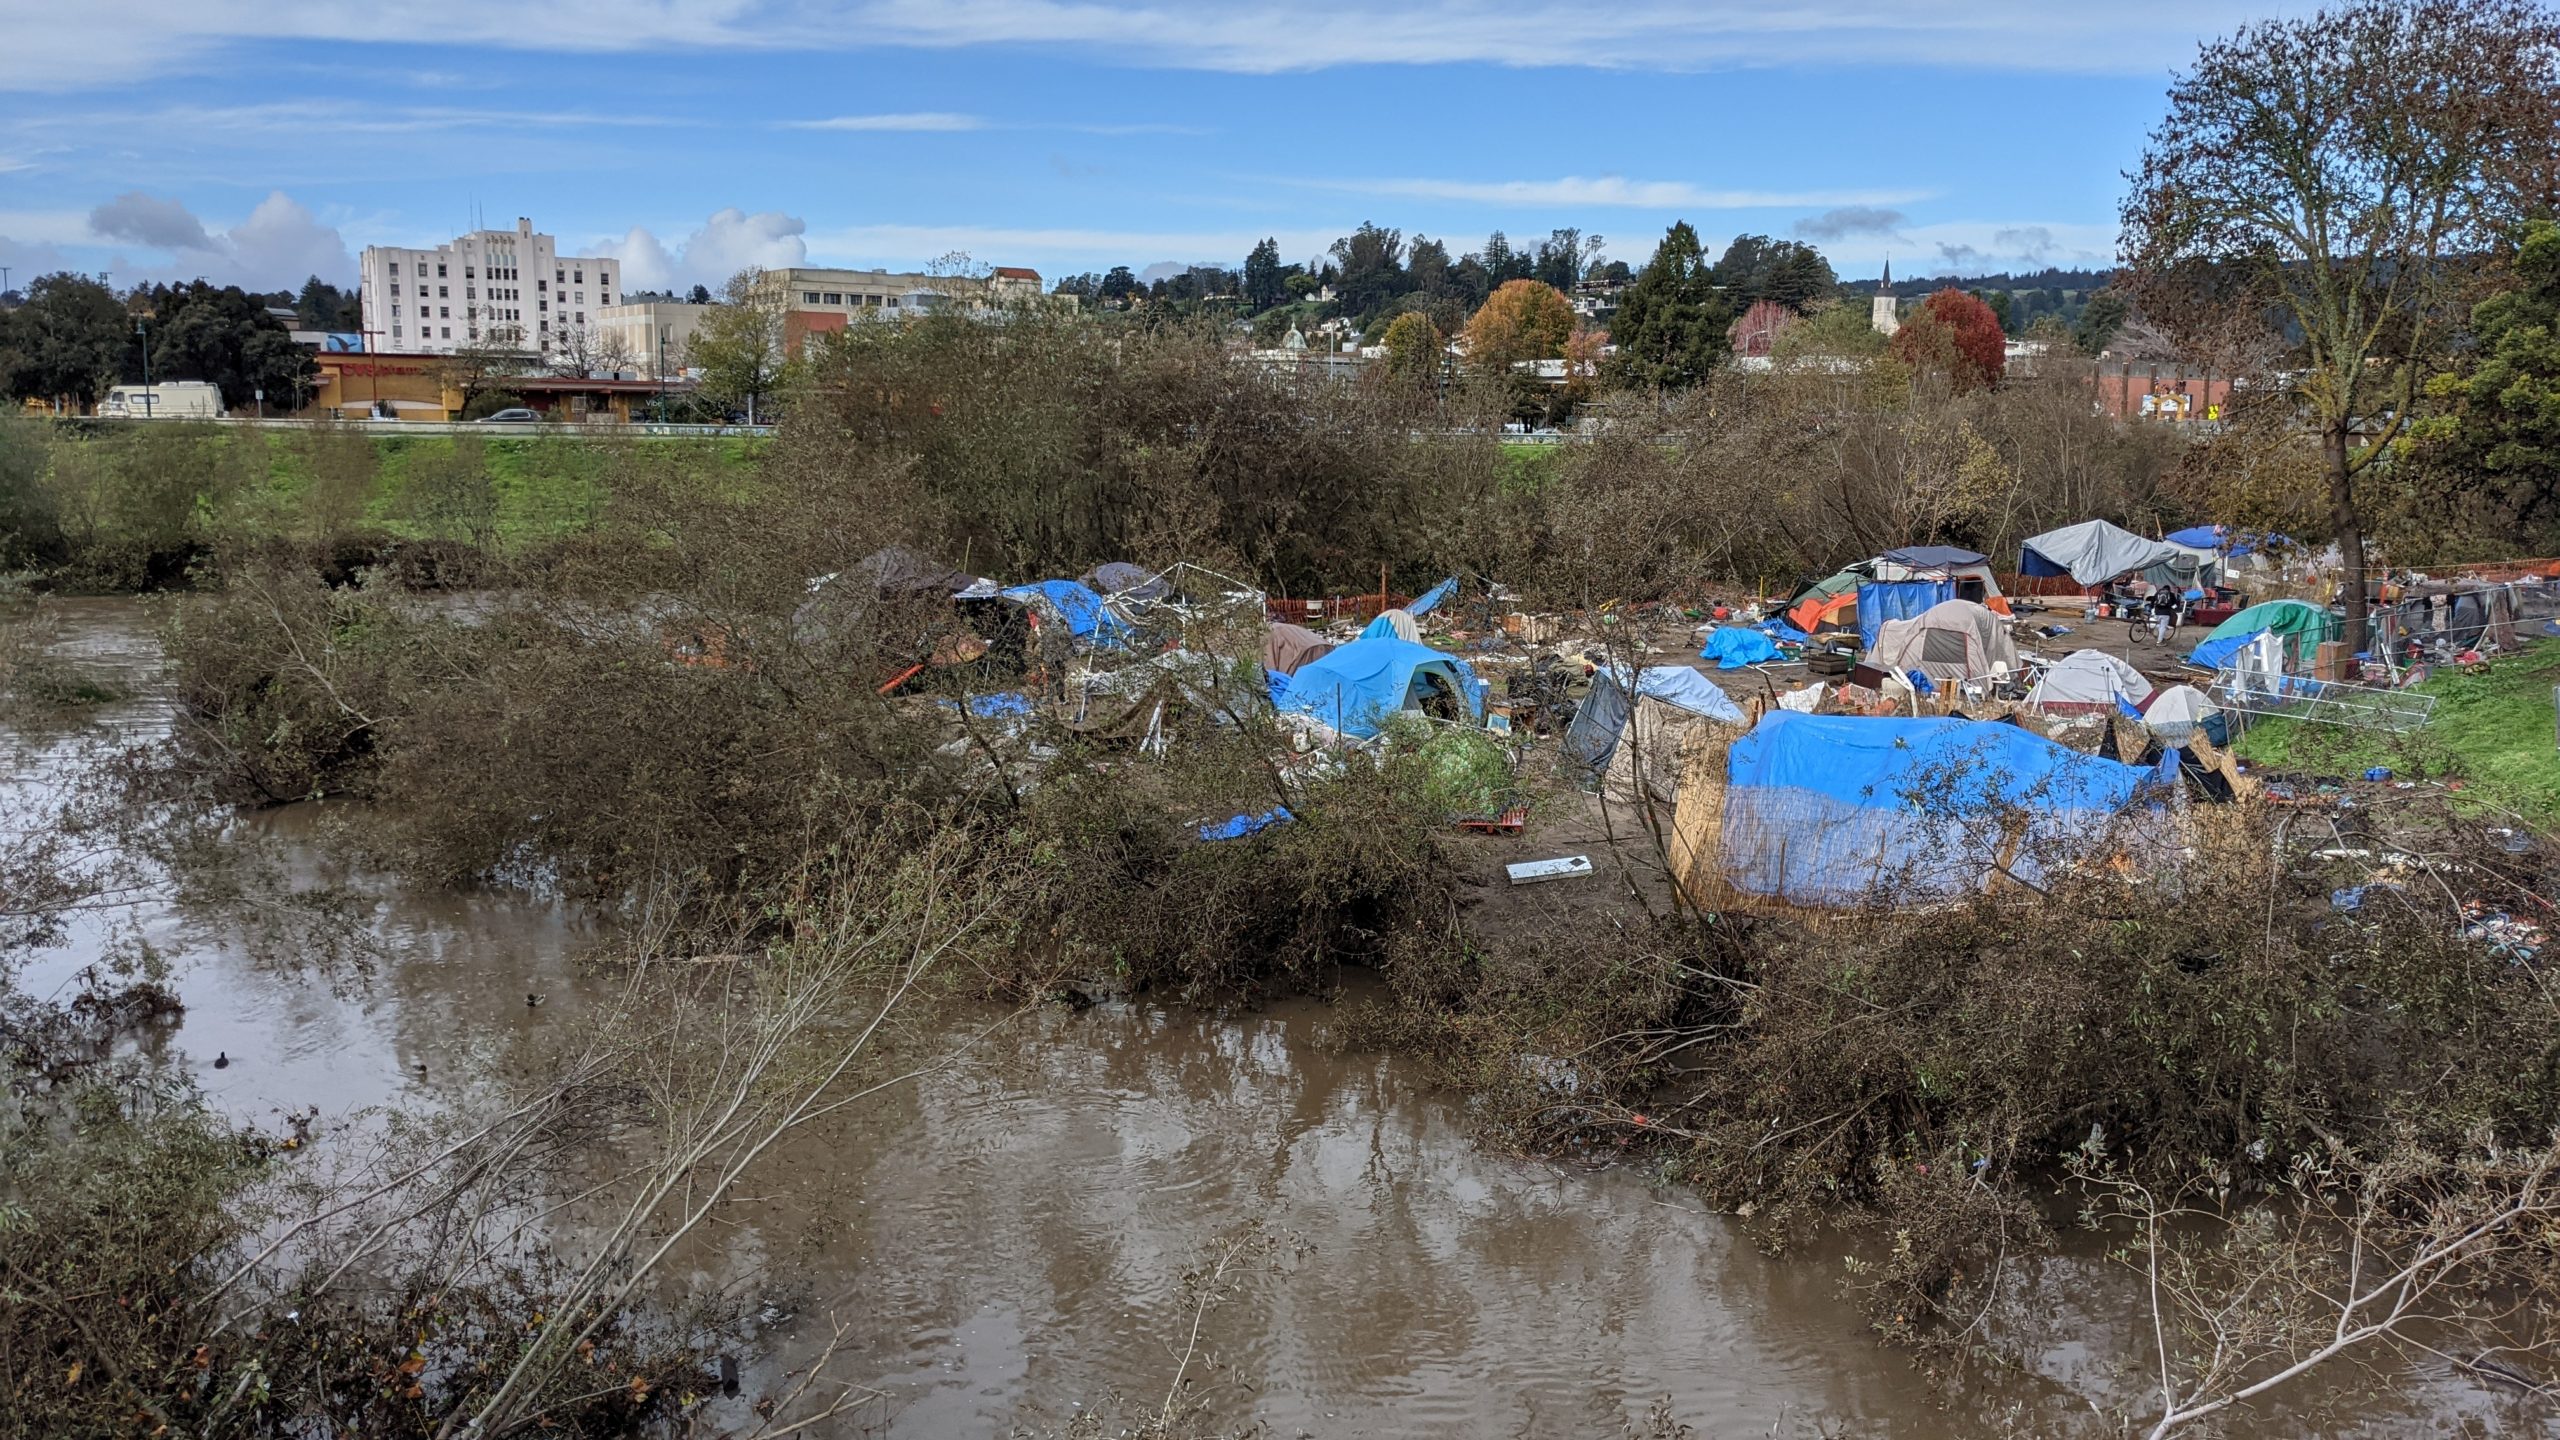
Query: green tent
x=2302 y=624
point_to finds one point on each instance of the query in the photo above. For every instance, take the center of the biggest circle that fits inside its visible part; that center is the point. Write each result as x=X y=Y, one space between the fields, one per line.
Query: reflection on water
x=1007 y=1240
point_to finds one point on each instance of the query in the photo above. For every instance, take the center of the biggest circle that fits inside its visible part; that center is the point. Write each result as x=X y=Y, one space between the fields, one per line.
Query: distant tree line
x=67 y=338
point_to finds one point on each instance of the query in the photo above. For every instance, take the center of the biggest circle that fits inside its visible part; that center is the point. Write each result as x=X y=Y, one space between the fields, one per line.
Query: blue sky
x=260 y=142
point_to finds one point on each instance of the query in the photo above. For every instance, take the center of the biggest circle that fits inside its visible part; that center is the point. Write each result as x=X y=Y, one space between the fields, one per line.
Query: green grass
x=2493 y=730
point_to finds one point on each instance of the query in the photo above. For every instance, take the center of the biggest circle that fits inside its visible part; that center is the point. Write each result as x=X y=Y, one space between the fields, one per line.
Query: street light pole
x=144 y=332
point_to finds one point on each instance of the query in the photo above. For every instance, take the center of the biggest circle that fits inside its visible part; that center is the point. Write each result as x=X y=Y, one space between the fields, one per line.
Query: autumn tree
x=1757 y=332
x=1955 y=335
x=1524 y=320
x=2338 y=178
x=1671 y=323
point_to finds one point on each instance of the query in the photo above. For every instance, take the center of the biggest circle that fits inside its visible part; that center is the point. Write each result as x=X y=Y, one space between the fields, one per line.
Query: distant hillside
x=2069 y=282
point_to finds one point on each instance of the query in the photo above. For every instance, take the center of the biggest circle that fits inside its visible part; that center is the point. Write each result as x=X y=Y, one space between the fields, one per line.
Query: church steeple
x=1885 y=286
x=1886 y=316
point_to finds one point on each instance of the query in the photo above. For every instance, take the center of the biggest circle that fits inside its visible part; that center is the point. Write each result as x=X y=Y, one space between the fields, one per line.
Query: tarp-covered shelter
x=1734 y=646
x=1394 y=624
x=1953 y=640
x=1968 y=570
x=897 y=570
x=1882 y=601
x=1290 y=648
x=1123 y=581
x=1073 y=603
x=2094 y=552
x=2175 y=714
x=2300 y=625
x=2087 y=680
x=1638 y=741
x=1839 y=810
x=1359 y=686
x=1826 y=606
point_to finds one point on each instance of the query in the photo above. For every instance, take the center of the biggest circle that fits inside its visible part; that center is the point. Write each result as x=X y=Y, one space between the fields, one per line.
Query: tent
x=1433 y=598
x=1953 y=640
x=1969 y=570
x=2175 y=714
x=2301 y=626
x=1734 y=646
x=1357 y=687
x=1880 y=601
x=1290 y=648
x=1669 y=702
x=897 y=570
x=1074 y=603
x=2094 y=552
x=1123 y=581
x=2088 y=680
x=1840 y=809
x=1394 y=624
x=1826 y=605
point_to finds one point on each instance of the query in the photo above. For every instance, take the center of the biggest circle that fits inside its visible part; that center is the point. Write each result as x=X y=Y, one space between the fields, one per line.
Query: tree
x=225 y=337
x=1757 y=332
x=1955 y=335
x=1371 y=260
x=2343 y=173
x=1524 y=320
x=1998 y=300
x=2495 y=430
x=484 y=369
x=69 y=339
x=699 y=295
x=589 y=350
x=324 y=306
x=1118 y=286
x=2100 y=319
x=738 y=345
x=1428 y=269
x=1840 y=331
x=1262 y=287
x=1563 y=256
x=1502 y=264
x=1672 y=325
x=1413 y=348
x=1756 y=268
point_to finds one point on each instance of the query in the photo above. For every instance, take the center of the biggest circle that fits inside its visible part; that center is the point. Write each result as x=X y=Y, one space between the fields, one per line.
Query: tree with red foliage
x=1956 y=335
x=1756 y=333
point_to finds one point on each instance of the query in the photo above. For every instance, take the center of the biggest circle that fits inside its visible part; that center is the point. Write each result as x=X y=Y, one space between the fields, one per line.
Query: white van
x=174 y=399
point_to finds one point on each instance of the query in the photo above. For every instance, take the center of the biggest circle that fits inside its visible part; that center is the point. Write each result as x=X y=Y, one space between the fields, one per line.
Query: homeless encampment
x=1072 y=604
x=2300 y=625
x=1121 y=580
x=1826 y=606
x=1968 y=571
x=2094 y=552
x=1358 y=687
x=1881 y=602
x=1291 y=648
x=1953 y=640
x=1847 y=810
x=2088 y=680
x=1668 y=701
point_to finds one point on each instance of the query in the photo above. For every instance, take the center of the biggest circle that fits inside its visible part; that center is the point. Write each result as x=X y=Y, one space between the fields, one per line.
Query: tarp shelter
x=1826 y=606
x=897 y=570
x=2087 y=680
x=2300 y=626
x=1953 y=640
x=1433 y=598
x=1394 y=624
x=2175 y=714
x=1881 y=601
x=1970 y=571
x=1356 y=688
x=1290 y=648
x=1123 y=581
x=1073 y=602
x=1735 y=646
x=1838 y=810
x=1638 y=744
x=2094 y=552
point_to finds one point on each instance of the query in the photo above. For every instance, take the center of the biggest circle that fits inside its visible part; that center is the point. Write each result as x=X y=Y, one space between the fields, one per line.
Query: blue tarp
x=1243 y=825
x=1356 y=687
x=1602 y=718
x=2199 y=537
x=1838 y=809
x=989 y=706
x=1735 y=646
x=1882 y=600
x=1432 y=598
x=2214 y=654
x=1688 y=687
x=1075 y=600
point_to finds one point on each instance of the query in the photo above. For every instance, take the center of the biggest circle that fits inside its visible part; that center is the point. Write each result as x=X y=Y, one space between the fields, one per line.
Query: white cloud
x=1054 y=250
x=281 y=244
x=728 y=242
x=275 y=246
x=60 y=48
x=1578 y=192
x=1980 y=247
x=916 y=121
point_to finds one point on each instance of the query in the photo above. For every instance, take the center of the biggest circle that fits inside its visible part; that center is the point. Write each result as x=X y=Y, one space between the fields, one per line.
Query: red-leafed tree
x=1955 y=335
x=1756 y=333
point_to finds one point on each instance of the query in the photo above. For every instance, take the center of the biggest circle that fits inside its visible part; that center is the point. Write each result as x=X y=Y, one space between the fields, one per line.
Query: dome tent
x=1953 y=640
x=2087 y=680
x=2301 y=624
x=1357 y=687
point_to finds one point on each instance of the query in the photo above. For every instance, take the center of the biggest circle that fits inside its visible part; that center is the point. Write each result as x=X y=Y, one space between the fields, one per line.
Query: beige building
x=490 y=287
x=653 y=333
x=817 y=300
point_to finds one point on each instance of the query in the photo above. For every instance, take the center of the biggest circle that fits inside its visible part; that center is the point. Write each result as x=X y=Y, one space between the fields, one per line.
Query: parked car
x=512 y=415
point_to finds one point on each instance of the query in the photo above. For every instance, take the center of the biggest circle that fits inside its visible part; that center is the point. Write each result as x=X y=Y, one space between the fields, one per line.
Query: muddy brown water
x=1005 y=1243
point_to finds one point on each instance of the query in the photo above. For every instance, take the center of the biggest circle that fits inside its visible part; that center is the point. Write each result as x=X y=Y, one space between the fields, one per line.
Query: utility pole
x=144 y=332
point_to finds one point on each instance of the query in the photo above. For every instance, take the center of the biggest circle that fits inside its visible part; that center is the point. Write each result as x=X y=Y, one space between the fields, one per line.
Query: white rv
x=172 y=399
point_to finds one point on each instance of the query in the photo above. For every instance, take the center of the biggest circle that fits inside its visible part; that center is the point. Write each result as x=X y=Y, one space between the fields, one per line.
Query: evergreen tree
x=1262 y=280
x=2497 y=426
x=1672 y=324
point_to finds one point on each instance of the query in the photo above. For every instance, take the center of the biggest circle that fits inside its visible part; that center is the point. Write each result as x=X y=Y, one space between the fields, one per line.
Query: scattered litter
x=2378 y=772
x=1531 y=872
x=2520 y=940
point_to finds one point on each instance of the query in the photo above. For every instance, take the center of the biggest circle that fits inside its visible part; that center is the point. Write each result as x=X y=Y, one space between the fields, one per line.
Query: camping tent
x=1826 y=605
x=1291 y=648
x=2300 y=625
x=1967 y=570
x=1358 y=686
x=2088 y=680
x=1880 y=601
x=2094 y=552
x=1953 y=640
x=1669 y=702
x=1395 y=624
x=1123 y=581
x=1841 y=809
x=1074 y=603
x=2175 y=714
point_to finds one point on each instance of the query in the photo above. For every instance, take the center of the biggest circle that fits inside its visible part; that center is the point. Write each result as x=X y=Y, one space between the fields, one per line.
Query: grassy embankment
x=2492 y=730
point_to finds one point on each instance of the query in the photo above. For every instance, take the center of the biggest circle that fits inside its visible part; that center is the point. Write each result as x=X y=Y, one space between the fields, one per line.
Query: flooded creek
x=1005 y=1241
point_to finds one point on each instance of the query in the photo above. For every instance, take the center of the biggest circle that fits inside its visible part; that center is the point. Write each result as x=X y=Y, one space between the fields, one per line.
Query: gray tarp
x=2094 y=552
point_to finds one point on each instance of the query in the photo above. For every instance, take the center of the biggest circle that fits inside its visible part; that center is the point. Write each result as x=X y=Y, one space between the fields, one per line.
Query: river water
x=1005 y=1243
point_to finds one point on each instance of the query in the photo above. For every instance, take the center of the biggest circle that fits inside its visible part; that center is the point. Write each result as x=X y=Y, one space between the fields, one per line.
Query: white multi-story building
x=487 y=288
